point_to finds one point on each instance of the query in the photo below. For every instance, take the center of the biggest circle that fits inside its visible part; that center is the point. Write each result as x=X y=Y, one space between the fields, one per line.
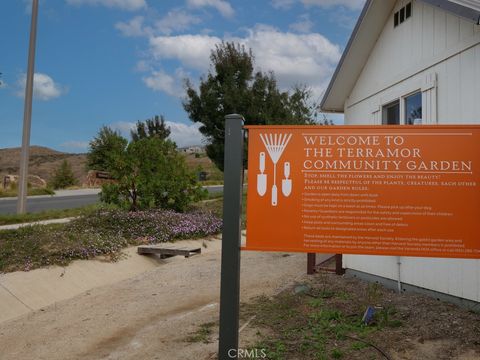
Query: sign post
x=372 y=190
x=27 y=117
x=231 y=238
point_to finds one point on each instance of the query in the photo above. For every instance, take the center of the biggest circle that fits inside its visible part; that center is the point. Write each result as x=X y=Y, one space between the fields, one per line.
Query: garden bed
x=103 y=232
x=322 y=319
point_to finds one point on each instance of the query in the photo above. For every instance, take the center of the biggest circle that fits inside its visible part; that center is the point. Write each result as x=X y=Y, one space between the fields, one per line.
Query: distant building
x=412 y=62
x=192 y=149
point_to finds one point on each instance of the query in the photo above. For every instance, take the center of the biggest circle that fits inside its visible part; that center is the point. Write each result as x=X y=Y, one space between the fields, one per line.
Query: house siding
x=438 y=53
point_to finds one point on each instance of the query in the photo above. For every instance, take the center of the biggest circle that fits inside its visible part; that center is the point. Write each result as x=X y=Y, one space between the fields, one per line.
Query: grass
x=211 y=182
x=202 y=334
x=215 y=205
x=320 y=324
x=31 y=192
x=102 y=232
x=9 y=219
x=47 y=215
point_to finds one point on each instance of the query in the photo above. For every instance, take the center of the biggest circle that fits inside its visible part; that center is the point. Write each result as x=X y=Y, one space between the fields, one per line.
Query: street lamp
x=27 y=116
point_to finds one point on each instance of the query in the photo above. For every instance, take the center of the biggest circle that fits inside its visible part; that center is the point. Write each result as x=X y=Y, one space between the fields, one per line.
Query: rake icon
x=275 y=145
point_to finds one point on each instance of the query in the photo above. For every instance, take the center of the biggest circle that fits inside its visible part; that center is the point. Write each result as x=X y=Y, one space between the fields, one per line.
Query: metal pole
x=311 y=263
x=339 y=270
x=27 y=116
x=231 y=238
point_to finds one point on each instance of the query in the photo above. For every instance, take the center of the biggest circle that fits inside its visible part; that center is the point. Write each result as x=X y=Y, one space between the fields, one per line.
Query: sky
x=114 y=62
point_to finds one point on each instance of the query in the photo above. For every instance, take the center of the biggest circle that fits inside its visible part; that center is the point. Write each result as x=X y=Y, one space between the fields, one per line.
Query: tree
x=63 y=176
x=233 y=87
x=104 y=147
x=151 y=173
x=154 y=127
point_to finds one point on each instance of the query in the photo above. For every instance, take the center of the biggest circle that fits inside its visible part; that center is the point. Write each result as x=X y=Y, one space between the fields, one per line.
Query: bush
x=63 y=176
x=150 y=173
x=103 y=147
x=101 y=232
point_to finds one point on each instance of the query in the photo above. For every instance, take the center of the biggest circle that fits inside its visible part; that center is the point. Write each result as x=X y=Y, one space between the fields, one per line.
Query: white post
x=27 y=116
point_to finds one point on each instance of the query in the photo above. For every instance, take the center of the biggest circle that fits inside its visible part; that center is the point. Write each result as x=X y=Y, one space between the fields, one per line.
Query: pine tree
x=233 y=87
x=63 y=176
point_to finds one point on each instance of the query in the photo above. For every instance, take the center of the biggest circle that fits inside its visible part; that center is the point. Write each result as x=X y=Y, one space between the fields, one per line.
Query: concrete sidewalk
x=61 y=193
x=42 y=222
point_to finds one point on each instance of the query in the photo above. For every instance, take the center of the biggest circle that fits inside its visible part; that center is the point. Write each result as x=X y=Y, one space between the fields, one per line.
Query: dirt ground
x=159 y=315
x=325 y=322
x=145 y=317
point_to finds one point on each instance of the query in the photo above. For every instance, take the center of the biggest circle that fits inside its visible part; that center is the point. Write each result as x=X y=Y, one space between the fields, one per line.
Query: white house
x=412 y=62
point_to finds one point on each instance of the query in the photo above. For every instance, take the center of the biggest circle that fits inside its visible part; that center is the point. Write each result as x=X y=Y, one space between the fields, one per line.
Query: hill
x=43 y=162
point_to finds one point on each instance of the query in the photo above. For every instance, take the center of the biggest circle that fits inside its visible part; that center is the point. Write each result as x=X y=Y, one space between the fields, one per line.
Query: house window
x=408 y=10
x=413 y=109
x=391 y=113
x=405 y=111
x=403 y=14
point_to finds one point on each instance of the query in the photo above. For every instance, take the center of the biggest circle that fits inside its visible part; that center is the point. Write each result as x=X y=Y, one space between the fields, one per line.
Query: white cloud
x=75 y=145
x=283 y=4
x=44 y=88
x=182 y=134
x=294 y=58
x=123 y=127
x=130 y=5
x=28 y=5
x=161 y=81
x=143 y=66
x=185 y=135
x=222 y=6
x=304 y=25
x=192 y=51
x=343 y=18
x=133 y=28
x=176 y=20
x=351 y=4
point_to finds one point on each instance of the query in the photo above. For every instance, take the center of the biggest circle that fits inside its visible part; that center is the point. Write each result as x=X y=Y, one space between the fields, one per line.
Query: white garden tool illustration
x=286 y=183
x=262 y=178
x=275 y=145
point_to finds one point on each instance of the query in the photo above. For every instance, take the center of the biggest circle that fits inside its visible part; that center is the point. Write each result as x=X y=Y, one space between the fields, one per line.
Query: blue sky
x=113 y=62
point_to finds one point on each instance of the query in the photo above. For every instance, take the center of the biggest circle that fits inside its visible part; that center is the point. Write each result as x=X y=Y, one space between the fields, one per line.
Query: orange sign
x=396 y=190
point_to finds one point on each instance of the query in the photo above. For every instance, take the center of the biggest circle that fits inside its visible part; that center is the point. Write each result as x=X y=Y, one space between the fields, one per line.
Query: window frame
x=386 y=106
x=402 y=103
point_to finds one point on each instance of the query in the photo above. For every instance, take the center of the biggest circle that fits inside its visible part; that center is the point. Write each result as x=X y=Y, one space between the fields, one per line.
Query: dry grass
x=43 y=162
x=203 y=162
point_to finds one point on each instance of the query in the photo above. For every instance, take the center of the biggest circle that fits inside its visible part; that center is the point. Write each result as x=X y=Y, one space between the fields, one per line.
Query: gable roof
x=369 y=26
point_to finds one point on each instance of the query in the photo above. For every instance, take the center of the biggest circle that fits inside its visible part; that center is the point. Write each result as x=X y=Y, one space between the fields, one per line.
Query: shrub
x=101 y=232
x=63 y=176
x=103 y=147
x=150 y=173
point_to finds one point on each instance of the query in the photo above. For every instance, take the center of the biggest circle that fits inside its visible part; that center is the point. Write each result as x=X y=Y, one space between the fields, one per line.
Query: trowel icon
x=286 y=183
x=262 y=178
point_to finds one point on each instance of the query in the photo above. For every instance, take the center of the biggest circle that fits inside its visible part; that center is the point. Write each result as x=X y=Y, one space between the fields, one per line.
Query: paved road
x=64 y=200
x=35 y=204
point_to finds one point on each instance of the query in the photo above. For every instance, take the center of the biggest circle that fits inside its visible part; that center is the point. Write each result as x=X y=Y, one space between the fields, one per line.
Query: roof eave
x=457 y=9
x=342 y=59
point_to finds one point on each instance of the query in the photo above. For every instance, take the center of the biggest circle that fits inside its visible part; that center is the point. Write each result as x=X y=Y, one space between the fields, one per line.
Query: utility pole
x=27 y=116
